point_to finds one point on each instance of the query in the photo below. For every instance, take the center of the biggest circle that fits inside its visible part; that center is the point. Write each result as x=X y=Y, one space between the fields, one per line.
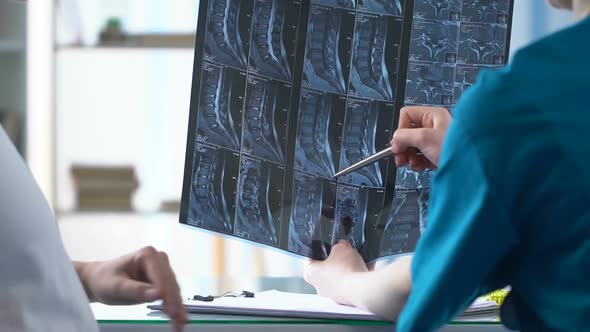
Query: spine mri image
x=430 y=83
x=374 y=53
x=221 y=102
x=327 y=53
x=465 y=78
x=448 y=10
x=228 y=32
x=387 y=7
x=267 y=105
x=405 y=222
x=486 y=11
x=318 y=132
x=213 y=190
x=367 y=125
x=348 y=4
x=274 y=38
x=351 y=215
x=482 y=44
x=313 y=206
x=434 y=41
x=259 y=201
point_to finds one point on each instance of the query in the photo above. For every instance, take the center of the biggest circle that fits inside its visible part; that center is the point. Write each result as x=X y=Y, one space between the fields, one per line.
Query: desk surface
x=140 y=318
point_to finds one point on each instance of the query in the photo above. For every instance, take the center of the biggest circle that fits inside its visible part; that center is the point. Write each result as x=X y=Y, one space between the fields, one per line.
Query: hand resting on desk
x=138 y=277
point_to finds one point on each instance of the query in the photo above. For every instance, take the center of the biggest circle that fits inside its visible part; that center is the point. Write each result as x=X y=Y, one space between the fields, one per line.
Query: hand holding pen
x=417 y=142
x=420 y=136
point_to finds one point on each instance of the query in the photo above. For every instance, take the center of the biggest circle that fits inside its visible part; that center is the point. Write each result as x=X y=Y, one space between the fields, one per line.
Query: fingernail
x=151 y=294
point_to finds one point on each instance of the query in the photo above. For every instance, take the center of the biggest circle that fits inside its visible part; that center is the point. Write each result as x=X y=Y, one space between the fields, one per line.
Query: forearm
x=82 y=269
x=383 y=292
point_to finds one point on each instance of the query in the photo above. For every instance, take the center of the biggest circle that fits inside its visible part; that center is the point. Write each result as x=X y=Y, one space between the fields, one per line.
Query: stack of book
x=104 y=188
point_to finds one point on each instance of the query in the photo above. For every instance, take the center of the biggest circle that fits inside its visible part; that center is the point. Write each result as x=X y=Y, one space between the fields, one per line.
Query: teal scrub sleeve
x=468 y=235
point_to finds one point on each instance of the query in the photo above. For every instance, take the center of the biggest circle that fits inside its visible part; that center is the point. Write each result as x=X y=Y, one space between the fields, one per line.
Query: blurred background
x=95 y=94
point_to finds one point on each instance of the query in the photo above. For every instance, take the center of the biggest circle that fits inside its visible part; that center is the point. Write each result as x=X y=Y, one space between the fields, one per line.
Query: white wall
x=534 y=19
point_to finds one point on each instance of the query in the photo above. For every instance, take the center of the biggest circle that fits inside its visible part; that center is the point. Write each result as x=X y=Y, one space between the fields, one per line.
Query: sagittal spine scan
x=255 y=219
x=265 y=118
x=225 y=42
x=430 y=83
x=488 y=11
x=304 y=228
x=351 y=214
x=314 y=135
x=438 y=9
x=387 y=7
x=358 y=142
x=269 y=52
x=212 y=202
x=434 y=41
x=482 y=44
x=219 y=119
x=370 y=77
x=324 y=64
x=403 y=227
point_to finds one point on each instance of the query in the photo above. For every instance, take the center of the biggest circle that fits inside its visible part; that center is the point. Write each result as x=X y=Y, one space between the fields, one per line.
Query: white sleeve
x=40 y=290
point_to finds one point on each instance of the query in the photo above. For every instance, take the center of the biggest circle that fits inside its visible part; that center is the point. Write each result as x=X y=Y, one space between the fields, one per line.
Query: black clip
x=203 y=298
x=210 y=298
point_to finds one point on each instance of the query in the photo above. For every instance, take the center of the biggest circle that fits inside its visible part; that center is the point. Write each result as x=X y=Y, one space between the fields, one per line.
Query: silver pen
x=367 y=161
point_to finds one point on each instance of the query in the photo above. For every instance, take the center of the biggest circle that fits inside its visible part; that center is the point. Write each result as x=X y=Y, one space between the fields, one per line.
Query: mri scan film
x=286 y=93
x=447 y=10
x=434 y=41
x=221 y=106
x=327 y=53
x=274 y=37
x=430 y=83
x=405 y=221
x=228 y=32
x=213 y=189
x=482 y=44
x=259 y=201
x=313 y=206
x=464 y=79
x=348 y=4
x=357 y=213
x=265 y=118
x=387 y=7
x=376 y=39
x=318 y=132
x=486 y=11
x=366 y=128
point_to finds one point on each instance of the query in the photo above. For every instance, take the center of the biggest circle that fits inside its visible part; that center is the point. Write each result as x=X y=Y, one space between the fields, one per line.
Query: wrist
x=85 y=271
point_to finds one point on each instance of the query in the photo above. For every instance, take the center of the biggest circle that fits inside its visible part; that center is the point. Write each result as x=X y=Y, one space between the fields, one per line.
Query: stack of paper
x=274 y=303
x=482 y=308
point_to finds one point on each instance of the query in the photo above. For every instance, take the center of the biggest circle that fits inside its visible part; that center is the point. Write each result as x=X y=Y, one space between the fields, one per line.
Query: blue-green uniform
x=511 y=200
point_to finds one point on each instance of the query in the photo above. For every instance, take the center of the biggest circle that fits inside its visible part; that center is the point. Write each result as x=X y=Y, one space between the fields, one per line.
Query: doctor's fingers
x=422 y=139
x=424 y=117
x=156 y=268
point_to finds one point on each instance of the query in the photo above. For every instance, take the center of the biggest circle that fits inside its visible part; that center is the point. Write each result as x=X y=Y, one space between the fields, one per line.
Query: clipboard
x=278 y=304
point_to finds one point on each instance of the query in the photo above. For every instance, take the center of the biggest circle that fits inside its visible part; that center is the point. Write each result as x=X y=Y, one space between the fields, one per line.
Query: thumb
x=405 y=138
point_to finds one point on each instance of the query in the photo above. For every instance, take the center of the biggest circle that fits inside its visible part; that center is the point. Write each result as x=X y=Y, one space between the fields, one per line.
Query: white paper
x=276 y=300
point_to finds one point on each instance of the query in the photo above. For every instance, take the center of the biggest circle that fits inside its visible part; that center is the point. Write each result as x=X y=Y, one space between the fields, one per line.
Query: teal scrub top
x=510 y=203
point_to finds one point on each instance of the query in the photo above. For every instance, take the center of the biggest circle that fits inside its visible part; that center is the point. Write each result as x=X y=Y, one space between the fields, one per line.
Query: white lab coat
x=39 y=288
